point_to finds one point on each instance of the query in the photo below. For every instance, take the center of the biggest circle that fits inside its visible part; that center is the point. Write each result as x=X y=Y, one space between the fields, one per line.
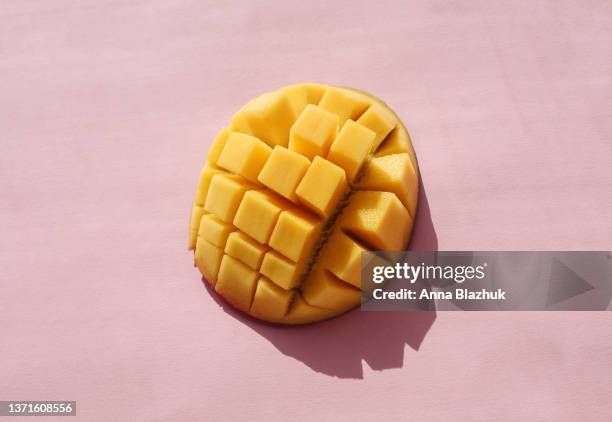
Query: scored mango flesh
x=300 y=183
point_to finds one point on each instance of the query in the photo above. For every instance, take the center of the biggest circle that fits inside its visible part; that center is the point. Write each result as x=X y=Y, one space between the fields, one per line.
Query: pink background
x=106 y=111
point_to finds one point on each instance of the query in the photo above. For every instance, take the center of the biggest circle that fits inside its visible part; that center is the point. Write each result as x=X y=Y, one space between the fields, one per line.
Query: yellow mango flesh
x=258 y=213
x=206 y=176
x=351 y=148
x=324 y=290
x=378 y=219
x=225 y=194
x=267 y=117
x=244 y=155
x=344 y=103
x=379 y=120
x=301 y=182
x=270 y=300
x=208 y=259
x=283 y=271
x=322 y=187
x=295 y=234
x=217 y=147
x=313 y=132
x=245 y=249
x=194 y=224
x=342 y=257
x=394 y=173
x=283 y=172
x=236 y=282
x=214 y=230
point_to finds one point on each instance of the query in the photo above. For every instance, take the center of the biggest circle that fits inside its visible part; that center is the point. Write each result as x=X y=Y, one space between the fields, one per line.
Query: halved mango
x=301 y=182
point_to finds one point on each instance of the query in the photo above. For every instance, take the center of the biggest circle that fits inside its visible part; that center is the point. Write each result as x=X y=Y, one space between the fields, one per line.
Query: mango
x=258 y=212
x=281 y=270
x=394 y=173
x=270 y=300
x=244 y=155
x=268 y=117
x=378 y=219
x=313 y=132
x=283 y=172
x=322 y=187
x=236 y=282
x=214 y=230
x=380 y=120
x=245 y=249
x=324 y=290
x=225 y=194
x=207 y=258
x=344 y=103
x=295 y=234
x=351 y=148
x=217 y=147
x=294 y=189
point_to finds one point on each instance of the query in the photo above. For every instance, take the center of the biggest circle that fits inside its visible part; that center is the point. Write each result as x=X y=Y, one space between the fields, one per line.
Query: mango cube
x=224 y=195
x=351 y=148
x=236 y=282
x=378 y=220
x=283 y=171
x=281 y=270
x=397 y=142
x=380 y=120
x=217 y=146
x=301 y=182
x=194 y=224
x=344 y=104
x=322 y=187
x=206 y=176
x=324 y=290
x=295 y=234
x=214 y=230
x=208 y=259
x=313 y=132
x=245 y=249
x=342 y=257
x=258 y=213
x=270 y=302
x=244 y=155
x=393 y=173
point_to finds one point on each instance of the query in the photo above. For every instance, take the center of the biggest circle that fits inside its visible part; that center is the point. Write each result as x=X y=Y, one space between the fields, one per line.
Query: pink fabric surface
x=106 y=111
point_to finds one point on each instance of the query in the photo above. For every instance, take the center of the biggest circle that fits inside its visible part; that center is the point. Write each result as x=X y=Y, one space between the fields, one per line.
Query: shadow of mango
x=339 y=347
